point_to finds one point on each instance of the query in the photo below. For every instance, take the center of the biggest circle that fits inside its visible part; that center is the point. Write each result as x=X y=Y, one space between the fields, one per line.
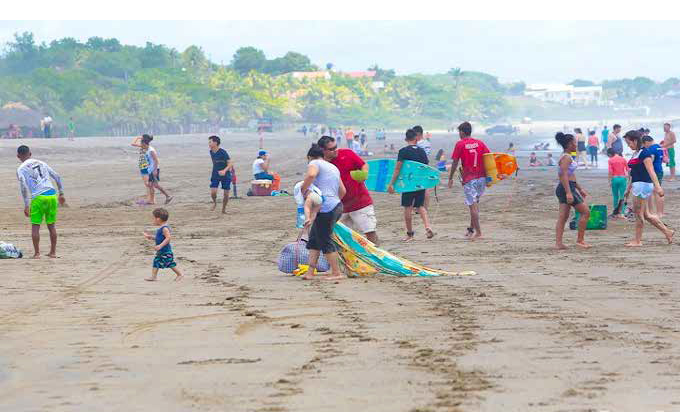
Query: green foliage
x=110 y=88
x=582 y=83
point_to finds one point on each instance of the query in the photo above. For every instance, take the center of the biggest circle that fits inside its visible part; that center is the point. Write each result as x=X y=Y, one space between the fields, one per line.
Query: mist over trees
x=112 y=88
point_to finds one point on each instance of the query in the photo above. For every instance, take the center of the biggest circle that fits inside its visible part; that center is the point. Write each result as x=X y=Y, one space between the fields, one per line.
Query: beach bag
x=9 y=251
x=296 y=253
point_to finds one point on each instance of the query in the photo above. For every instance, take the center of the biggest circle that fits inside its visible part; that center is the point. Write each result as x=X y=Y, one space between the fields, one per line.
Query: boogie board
x=413 y=176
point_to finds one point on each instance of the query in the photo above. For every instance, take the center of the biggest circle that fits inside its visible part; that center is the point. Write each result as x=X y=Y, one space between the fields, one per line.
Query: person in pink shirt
x=469 y=152
x=618 y=180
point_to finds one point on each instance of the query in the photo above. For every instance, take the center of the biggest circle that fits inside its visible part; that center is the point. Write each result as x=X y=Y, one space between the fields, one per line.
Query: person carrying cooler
x=569 y=193
x=40 y=198
x=220 y=172
x=470 y=153
x=643 y=183
x=618 y=179
x=416 y=199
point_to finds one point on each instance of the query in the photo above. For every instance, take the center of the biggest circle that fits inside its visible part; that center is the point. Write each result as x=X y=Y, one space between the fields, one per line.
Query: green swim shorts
x=671 y=157
x=44 y=207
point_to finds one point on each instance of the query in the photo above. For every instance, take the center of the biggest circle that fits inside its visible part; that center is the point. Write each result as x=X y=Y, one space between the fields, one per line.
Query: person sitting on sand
x=35 y=184
x=643 y=183
x=569 y=192
x=164 y=258
x=261 y=166
x=533 y=160
x=441 y=160
x=550 y=161
x=325 y=176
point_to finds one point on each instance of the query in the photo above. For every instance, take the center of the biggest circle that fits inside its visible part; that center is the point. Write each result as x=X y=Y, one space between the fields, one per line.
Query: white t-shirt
x=257 y=166
x=149 y=159
x=34 y=179
x=356 y=147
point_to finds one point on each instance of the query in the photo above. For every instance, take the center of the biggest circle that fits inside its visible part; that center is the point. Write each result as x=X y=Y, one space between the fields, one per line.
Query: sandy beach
x=534 y=330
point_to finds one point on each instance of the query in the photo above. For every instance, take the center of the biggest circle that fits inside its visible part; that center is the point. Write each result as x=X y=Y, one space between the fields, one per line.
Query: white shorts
x=473 y=190
x=642 y=189
x=362 y=220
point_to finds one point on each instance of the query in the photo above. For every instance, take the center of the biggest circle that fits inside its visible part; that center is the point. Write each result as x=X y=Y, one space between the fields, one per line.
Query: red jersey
x=471 y=154
x=357 y=196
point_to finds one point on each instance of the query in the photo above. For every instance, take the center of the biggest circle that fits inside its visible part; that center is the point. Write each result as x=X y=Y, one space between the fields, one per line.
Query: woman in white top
x=326 y=177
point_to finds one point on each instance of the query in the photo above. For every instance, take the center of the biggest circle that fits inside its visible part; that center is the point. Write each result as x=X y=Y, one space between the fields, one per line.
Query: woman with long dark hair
x=569 y=192
x=644 y=183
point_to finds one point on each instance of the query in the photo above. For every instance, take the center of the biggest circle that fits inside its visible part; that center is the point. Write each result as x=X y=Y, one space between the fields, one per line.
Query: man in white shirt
x=40 y=198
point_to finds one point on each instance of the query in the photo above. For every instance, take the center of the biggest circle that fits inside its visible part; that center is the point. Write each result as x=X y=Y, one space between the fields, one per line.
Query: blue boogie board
x=413 y=176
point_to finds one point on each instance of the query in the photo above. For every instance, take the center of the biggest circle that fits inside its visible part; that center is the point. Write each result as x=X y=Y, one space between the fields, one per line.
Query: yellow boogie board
x=498 y=166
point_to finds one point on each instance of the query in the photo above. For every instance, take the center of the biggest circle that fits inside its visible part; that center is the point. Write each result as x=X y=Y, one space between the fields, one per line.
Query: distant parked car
x=502 y=129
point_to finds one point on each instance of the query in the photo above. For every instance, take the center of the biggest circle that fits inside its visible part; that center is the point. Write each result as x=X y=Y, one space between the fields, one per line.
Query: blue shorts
x=144 y=171
x=155 y=176
x=225 y=181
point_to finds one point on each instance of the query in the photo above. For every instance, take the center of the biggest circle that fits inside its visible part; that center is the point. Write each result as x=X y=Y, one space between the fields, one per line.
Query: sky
x=530 y=51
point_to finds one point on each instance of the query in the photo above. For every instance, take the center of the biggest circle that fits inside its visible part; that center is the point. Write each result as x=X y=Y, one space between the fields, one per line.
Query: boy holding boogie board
x=410 y=200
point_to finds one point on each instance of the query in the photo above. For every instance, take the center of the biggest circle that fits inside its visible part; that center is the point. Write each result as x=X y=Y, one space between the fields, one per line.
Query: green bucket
x=597 y=221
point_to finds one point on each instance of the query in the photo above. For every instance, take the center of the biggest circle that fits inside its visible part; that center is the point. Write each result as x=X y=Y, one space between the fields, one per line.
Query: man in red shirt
x=470 y=153
x=357 y=205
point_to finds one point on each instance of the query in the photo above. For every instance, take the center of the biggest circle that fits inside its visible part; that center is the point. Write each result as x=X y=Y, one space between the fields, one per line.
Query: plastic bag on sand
x=9 y=251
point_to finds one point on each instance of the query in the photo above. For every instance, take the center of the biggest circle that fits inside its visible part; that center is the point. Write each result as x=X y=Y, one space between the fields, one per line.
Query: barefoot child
x=164 y=258
x=569 y=192
x=618 y=179
x=311 y=202
x=643 y=183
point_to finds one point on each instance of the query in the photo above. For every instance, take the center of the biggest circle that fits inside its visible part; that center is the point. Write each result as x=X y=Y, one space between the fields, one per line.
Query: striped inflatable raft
x=362 y=258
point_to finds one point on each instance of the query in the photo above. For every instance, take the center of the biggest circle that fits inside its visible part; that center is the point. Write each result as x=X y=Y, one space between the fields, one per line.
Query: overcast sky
x=533 y=51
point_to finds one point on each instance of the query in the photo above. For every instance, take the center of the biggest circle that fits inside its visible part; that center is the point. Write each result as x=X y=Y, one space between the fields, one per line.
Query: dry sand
x=535 y=330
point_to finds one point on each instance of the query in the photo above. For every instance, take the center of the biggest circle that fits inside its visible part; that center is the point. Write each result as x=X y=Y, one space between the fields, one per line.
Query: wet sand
x=534 y=330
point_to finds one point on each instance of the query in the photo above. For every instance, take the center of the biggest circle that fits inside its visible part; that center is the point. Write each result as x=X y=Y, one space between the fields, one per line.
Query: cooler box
x=261 y=187
x=597 y=221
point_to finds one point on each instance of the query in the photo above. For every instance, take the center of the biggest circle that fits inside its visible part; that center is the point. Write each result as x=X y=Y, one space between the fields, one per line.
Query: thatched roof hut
x=20 y=115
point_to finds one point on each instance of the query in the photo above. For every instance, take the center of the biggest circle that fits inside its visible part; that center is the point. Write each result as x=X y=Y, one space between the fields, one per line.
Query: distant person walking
x=669 y=141
x=615 y=142
x=581 y=148
x=605 y=138
x=593 y=148
x=71 y=129
x=47 y=126
x=40 y=198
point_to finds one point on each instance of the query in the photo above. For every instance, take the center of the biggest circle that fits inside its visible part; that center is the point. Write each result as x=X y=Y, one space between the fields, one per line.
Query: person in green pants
x=618 y=179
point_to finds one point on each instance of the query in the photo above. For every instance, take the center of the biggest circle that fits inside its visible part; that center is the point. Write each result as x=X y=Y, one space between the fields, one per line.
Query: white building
x=566 y=94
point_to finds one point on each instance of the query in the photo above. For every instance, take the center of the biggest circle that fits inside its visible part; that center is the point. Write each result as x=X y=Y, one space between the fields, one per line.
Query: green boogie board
x=597 y=220
x=414 y=176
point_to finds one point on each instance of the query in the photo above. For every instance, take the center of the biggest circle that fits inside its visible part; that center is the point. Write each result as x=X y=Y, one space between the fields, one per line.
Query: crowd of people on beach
x=333 y=188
